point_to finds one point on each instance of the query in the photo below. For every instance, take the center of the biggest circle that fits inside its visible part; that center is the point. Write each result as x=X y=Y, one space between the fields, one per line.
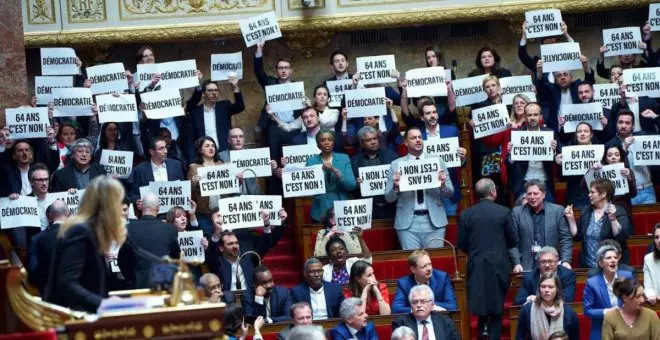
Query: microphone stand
x=238 y=264
x=457 y=274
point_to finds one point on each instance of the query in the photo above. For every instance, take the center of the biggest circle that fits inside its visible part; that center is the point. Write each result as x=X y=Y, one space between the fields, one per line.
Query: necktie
x=425 y=331
x=420 y=194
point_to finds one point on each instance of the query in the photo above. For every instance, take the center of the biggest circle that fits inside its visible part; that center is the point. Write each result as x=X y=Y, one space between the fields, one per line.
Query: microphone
x=453 y=248
x=238 y=264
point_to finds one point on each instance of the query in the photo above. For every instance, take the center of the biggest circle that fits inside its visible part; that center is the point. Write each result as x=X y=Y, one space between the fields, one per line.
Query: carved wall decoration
x=307 y=42
x=156 y=9
x=40 y=12
x=298 y=5
x=86 y=11
x=362 y=3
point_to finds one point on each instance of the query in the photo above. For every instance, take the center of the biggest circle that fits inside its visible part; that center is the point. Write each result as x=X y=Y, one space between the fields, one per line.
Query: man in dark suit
x=266 y=299
x=310 y=118
x=585 y=92
x=15 y=173
x=158 y=169
x=41 y=250
x=214 y=111
x=301 y=315
x=354 y=324
x=548 y=262
x=80 y=170
x=423 y=320
x=324 y=297
x=213 y=289
x=147 y=235
x=423 y=273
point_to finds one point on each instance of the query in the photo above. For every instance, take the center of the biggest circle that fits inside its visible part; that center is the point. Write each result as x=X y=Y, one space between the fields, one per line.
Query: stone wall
x=13 y=80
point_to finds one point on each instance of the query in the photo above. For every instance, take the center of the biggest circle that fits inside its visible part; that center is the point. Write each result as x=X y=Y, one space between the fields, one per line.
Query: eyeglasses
x=315 y=272
x=548 y=261
x=420 y=302
x=283 y=68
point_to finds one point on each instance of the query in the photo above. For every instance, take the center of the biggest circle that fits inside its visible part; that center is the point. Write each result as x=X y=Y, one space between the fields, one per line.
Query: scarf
x=539 y=325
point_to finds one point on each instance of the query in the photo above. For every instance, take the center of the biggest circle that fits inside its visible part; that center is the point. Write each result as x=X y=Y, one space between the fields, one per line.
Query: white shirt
x=319 y=308
x=160 y=172
x=429 y=327
x=26 y=187
x=353 y=332
x=614 y=301
x=41 y=208
x=235 y=267
x=433 y=134
x=328 y=268
x=651 y=275
x=566 y=98
x=419 y=206
x=209 y=123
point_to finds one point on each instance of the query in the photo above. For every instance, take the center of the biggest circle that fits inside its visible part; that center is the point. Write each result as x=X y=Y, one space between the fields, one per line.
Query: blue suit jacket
x=596 y=300
x=143 y=174
x=224 y=110
x=341 y=332
x=440 y=283
x=531 y=283
x=280 y=301
x=334 y=296
x=335 y=189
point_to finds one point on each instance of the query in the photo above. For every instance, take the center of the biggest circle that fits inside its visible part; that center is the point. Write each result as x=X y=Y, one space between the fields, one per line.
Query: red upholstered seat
x=384 y=331
x=643 y=222
x=395 y=269
x=585 y=326
x=575 y=260
x=452 y=233
x=637 y=252
x=46 y=335
x=560 y=196
x=308 y=214
x=402 y=150
x=579 y=291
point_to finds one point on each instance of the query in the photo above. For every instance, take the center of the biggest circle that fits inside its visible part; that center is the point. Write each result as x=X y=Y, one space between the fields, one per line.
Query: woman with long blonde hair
x=77 y=276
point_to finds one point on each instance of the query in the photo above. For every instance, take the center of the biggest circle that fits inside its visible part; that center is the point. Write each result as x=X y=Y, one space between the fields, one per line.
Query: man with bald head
x=485 y=234
x=43 y=243
x=236 y=140
x=147 y=234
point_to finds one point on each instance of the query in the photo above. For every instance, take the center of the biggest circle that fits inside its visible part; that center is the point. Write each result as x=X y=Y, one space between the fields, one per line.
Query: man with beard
x=80 y=171
x=213 y=289
x=586 y=95
x=267 y=300
x=424 y=320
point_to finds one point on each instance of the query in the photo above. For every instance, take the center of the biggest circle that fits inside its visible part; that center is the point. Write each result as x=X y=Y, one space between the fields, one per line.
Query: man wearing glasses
x=424 y=320
x=324 y=297
x=157 y=169
x=79 y=171
x=547 y=262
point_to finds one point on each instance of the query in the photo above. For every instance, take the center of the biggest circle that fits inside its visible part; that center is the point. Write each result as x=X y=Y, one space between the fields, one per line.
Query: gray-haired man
x=79 y=171
x=426 y=323
x=354 y=324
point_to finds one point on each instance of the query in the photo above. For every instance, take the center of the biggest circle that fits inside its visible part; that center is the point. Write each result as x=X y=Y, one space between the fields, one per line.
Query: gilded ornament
x=41 y=12
x=148 y=331
x=214 y=325
x=307 y=42
x=83 y=11
x=79 y=336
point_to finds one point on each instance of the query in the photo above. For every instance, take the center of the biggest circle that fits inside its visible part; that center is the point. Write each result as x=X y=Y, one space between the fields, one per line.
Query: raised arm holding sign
x=218 y=180
x=578 y=159
x=286 y=97
x=72 y=200
x=59 y=61
x=257 y=160
x=365 y=102
x=108 y=78
x=561 y=57
x=297 y=155
x=469 y=90
x=122 y=108
x=172 y=194
x=260 y=28
x=490 y=120
x=606 y=94
x=622 y=41
x=532 y=146
x=180 y=74
x=240 y=212
x=119 y=163
x=373 y=179
x=225 y=65
x=337 y=89
x=574 y=114
x=353 y=213
x=27 y=122
x=21 y=212
x=642 y=82
x=444 y=148
x=72 y=101
x=419 y=174
x=427 y=81
x=272 y=204
x=301 y=182
x=543 y=23
x=161 y=104
x=43 y=87
x=376 y=70
x=190 y=243
x=646 y=150
x=654 y=17
x=613 y=173
x=512 y=86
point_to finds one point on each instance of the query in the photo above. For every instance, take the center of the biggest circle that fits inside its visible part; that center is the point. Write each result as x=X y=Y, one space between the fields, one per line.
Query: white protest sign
x=365 y=102
x=240 y=212
x=108 y=78
x=641 y=82
x=117 y=109
x=574 y=114
x=353 y=213
x=178 y=75
x=337 y=89
x=426 y=81
x=271 y=203
x=260 y=28
x=606 y=94
x=172 y=194
x=490 y=120
x=374 y=179
x=257 y=160
x=72 y=200
x=532 y=146
x=21 y=212
x=225 y=65
x=561 y=57
x=543 y=23
x=190 y=243
x=469 y=90
x=162 y=104
x=144 y=191
x=646 y=150
x=58 y=61
x=27 y=122
x=144 y=74
x=620 y=41
x=633 y=105
x=218 y=180
x=43 y=87
x=654 y=17
x=118 y=163
x=297 y=155
x=72 y=101
x=445 y=148
x=578 y=159
x=512 y=86
x=613 y=173
x=286 y=97
x=300 y=182
x=419 y=174
x=376 y=69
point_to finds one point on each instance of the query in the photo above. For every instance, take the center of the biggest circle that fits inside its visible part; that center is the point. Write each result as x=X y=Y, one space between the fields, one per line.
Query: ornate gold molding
x=307 y=42
x=358 y=21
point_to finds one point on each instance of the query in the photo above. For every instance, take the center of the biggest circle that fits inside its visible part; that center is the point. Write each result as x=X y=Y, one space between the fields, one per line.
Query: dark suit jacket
x=605 y=232
x=334 y=296
x=531 y=283
x=224 y=110
x=43 y=245
x=300 y=138
x=341 y=332
x=143 y=174
x=570 y=319
x=152 y=235
x=77 y=273
x=280 y=301
x=10 y=175
x=64 y=179
x=551 y=93
x=284 y=334
x=518 y=169
x=440 y=283
x=443 y=327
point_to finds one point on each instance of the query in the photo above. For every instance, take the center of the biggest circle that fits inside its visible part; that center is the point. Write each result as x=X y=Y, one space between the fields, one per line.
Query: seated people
x=329 y=231
x=420 y=219
x=265 y=299
x=424 y=318
x=404 y=333
x=652 y=269
x=549 y=313
x=213 y=289
x=354 y=324
x=339 y=179
x=79 y=171
x=631 y=320
x=599 y=297
x=301 y=315
x=600 y=220
x=324 y=297
x=363 y=285
x=548 y=262
x=539 y=224
x=337 y=271
x=423 y=273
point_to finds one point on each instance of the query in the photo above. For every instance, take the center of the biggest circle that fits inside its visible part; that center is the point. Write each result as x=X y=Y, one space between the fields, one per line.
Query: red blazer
x=372 y=302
